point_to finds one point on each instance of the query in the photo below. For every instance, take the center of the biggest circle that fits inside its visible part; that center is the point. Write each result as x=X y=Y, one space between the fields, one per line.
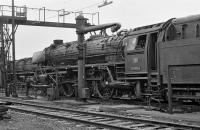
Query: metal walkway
x=34 y=16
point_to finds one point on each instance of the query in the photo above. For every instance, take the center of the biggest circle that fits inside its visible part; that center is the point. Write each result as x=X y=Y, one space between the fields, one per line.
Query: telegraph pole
x=14 y=90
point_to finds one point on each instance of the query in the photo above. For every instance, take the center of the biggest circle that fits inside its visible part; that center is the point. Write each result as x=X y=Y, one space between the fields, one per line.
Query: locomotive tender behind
x=133 y=63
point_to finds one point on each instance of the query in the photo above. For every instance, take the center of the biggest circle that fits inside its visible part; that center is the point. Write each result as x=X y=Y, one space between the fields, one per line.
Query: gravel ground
x=23 y=121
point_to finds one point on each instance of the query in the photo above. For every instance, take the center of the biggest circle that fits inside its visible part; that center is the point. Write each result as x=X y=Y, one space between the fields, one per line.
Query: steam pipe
x=114 y=27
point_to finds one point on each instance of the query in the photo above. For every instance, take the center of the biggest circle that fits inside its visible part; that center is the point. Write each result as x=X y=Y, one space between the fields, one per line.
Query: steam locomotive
x=131 y=64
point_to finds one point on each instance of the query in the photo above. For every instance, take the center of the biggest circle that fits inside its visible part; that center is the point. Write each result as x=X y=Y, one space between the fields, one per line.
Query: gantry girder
x=24 y=21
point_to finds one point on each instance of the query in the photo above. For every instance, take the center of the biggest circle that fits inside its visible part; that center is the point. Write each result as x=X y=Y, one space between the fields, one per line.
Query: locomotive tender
x=132 y=63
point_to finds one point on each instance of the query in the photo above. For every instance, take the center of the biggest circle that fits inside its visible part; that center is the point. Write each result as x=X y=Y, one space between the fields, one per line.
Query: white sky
x=130 y=13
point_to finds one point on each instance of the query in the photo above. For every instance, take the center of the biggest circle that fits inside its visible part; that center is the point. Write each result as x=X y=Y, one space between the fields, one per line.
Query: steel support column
x=14 y=90
x=169 y=85
x=2 y=59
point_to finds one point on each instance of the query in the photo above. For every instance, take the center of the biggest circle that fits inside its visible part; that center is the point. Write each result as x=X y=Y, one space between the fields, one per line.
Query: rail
x=89 y=117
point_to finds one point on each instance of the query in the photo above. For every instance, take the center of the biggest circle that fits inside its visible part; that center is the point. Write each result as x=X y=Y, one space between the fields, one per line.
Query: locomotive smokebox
x=85 y=93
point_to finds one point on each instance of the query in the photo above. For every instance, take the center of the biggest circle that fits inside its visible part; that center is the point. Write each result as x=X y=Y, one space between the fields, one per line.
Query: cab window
x=141 y=42
x=171 y=33
x=131 y=44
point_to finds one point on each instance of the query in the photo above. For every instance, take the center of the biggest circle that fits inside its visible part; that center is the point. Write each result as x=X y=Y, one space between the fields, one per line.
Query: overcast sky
x=130 y=13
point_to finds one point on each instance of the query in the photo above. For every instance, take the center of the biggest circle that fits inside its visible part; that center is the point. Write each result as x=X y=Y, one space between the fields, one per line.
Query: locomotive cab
x=141 y=58
x=135 y=52
x=136 y=61
x=141 y=53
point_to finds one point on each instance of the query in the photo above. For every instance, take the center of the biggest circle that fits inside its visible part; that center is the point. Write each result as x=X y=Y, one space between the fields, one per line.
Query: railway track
x=98 y=119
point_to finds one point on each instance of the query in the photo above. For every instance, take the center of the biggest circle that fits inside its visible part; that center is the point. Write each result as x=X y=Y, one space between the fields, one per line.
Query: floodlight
x=105 y=3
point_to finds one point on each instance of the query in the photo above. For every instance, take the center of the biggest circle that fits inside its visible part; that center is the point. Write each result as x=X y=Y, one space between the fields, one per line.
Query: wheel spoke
x=104 y=93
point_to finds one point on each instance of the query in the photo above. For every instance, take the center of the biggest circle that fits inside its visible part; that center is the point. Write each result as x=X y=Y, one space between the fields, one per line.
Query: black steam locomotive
x=131 y=64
